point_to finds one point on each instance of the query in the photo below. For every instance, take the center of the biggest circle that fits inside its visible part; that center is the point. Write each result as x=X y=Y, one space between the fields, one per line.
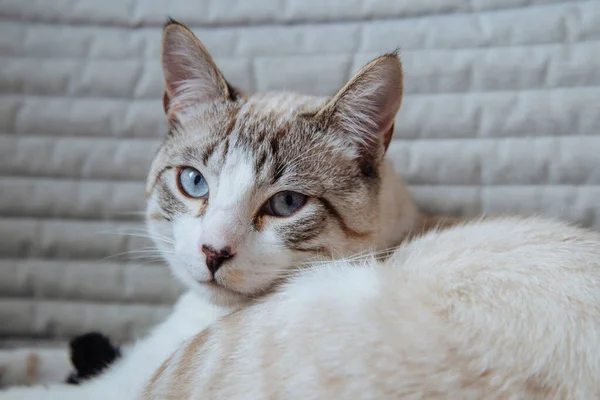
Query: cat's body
x=248 y=190
x=499 y=309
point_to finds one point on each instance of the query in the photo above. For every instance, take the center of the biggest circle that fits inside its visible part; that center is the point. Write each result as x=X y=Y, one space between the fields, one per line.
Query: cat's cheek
x=186 y=234
x=182 y=274
x=270 y=240
x=161 y=232
x=261 y=262
x=195 y=271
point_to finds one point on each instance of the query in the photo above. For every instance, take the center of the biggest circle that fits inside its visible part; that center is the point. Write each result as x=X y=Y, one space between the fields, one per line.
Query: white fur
x=220 y=226
x=499 y=309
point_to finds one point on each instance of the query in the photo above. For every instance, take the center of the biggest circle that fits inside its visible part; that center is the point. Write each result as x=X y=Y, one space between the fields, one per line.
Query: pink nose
x=215 y=258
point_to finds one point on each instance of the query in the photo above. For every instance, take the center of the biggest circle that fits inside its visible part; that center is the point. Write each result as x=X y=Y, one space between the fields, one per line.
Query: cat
x=496 y=309
x=247 y=189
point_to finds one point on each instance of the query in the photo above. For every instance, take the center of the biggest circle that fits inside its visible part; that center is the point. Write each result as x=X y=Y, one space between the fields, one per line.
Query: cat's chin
x=220 y=295
x=210 y=291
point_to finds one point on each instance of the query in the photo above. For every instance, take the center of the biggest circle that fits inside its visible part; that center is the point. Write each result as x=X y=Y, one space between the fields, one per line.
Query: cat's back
x=518 y=298
x=496 y=309
x=519 y=247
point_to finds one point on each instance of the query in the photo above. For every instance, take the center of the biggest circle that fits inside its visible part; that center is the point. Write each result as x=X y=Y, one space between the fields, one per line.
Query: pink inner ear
x=366 y=108
x=190 y=73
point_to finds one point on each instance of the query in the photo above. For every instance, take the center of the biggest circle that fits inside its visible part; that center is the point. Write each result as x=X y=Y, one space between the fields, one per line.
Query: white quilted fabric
x=501 y=114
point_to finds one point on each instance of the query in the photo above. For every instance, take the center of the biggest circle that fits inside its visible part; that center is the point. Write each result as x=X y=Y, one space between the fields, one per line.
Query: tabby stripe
x=278 y=170
x=341 y=222
x=157 y=179
x=320 y=250
x=159 y=217
x=168 y=202
x=259 y=162
x=225 y=151
x=208 y=151
x=304 y=229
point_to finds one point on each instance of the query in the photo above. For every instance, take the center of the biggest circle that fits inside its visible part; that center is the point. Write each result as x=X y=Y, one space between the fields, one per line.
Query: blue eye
x=192 y=183
x=284 y=204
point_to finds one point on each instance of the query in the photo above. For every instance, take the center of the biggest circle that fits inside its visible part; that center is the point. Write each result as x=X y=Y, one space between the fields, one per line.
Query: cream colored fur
x=500 y=309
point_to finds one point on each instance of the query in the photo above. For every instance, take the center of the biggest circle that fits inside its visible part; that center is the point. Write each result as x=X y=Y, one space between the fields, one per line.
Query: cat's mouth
x=215 y=285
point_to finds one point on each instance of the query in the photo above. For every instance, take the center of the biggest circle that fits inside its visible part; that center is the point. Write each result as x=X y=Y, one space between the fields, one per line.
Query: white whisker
x=137 y=232
x=150 y=251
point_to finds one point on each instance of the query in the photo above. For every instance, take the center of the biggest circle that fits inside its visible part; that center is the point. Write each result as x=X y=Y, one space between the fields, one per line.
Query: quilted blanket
x=501 y=114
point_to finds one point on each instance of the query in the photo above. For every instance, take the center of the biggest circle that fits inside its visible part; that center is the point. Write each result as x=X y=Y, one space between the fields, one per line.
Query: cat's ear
x=191 y=76
x=363 y=111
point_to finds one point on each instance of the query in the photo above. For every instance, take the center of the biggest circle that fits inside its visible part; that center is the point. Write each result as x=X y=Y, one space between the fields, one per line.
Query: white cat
x=248 y=191
x=499 y=309
x=249 y=188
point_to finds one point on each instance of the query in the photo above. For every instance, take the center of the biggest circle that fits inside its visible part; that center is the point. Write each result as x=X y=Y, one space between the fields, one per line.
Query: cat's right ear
x=191 y=76
x=363 y=111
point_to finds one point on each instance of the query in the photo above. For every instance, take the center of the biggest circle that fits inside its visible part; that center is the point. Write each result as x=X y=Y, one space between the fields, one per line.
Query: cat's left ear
x=363 y=111
x=191 y=75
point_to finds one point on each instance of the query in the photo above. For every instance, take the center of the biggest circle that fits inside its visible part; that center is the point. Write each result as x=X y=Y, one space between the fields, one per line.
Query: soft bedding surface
x=501 y=114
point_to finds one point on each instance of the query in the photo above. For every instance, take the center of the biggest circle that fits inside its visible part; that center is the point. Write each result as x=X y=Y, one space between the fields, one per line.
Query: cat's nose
x=214 y=257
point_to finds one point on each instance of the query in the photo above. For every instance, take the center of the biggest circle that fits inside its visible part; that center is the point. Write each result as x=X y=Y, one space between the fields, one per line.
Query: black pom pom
x=91 y=353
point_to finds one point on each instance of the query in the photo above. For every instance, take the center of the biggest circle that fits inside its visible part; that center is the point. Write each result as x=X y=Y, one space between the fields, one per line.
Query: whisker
x=143 y=251
x=137 y=232
x=359 y=257
x=159 y=238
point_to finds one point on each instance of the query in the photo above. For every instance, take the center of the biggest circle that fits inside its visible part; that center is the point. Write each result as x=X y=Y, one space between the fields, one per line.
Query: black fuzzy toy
x=91 y=353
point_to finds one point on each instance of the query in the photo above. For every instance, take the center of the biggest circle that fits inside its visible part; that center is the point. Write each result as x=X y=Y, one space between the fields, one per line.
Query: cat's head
x=248 y=188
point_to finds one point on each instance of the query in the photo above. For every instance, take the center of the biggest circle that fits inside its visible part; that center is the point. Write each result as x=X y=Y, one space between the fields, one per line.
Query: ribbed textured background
x=501 y=114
